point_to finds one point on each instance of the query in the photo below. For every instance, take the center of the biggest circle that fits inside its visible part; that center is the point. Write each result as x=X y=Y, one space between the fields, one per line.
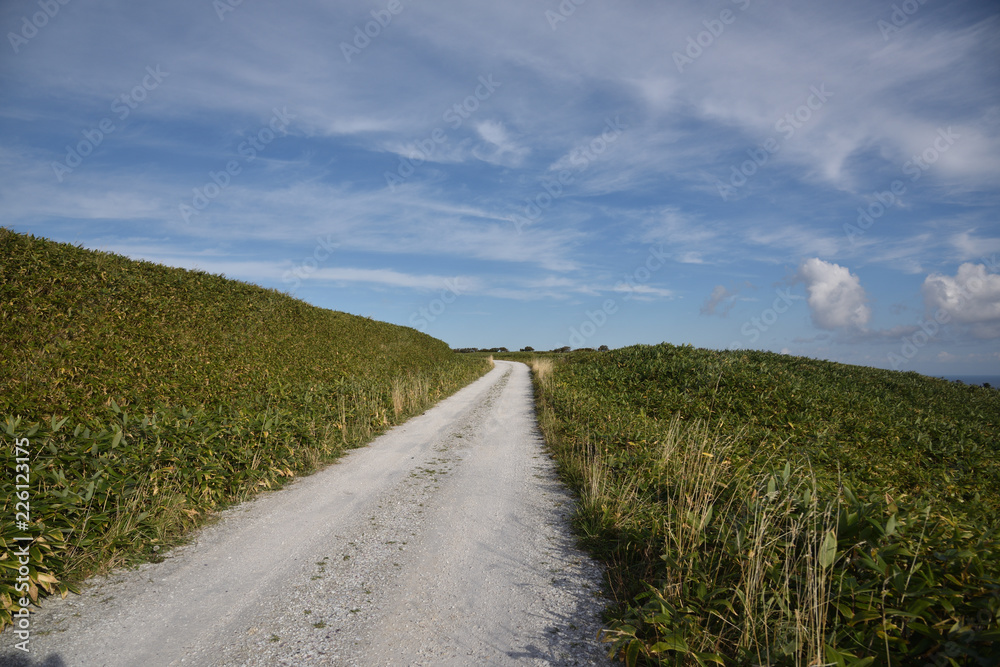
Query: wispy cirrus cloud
x=653 y=181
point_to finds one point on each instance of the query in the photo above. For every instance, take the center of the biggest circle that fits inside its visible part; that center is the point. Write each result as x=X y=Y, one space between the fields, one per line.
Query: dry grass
x=702 y=489
x=408 y=394
x=542 y=367
x=722 y=542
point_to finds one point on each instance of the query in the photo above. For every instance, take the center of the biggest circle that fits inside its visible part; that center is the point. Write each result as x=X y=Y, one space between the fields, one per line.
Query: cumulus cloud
x=836 y=297
x=721 y=300
x=971 y=296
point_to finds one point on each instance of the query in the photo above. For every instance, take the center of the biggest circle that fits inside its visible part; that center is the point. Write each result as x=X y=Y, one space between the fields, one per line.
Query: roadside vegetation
x=151 y=397
x=761 y=509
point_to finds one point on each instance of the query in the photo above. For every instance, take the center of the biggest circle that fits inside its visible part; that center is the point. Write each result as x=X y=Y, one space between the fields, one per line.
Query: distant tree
x=603 y=348
x=565 y=348
x=527 y=349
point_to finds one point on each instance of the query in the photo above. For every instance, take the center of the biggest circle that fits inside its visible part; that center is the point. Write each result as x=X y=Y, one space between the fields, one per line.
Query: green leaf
x=828 y=550
x=845 y=610
x=632 y=652
x=835 y=657
x=702 y=591
x=672 y=643
x=862 y=615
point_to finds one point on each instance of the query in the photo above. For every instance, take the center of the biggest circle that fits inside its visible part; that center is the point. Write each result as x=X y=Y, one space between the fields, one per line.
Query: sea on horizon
x=979 y=380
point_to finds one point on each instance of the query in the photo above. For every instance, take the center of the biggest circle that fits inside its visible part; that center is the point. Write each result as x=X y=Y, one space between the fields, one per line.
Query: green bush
x=152 y=396
x=755 y=508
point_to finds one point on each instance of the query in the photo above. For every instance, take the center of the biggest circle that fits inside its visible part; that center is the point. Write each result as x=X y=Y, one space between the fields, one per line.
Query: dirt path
x=444 y=542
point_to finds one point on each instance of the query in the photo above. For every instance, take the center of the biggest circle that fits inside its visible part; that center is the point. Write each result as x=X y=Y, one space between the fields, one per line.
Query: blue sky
x=821 y=179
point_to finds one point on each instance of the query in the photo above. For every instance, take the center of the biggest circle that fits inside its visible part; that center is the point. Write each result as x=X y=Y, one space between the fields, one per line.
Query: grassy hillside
x=756 y=508
x=150 y=396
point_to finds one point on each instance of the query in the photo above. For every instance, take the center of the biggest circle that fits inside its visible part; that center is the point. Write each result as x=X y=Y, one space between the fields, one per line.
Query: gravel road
x=444 y=542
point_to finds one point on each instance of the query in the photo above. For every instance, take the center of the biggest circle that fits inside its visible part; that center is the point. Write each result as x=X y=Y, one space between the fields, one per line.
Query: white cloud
x=554 y=91
x=970 y=246
x=720 y=297
x=801 y=239
x=500 y=148
x=645 y=292
x=836 y=298
x=971 y=296
x=392 y=278
x=671 y=225
x=690 y=258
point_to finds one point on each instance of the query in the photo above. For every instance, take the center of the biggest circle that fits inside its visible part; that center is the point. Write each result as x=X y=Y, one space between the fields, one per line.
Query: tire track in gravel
x=444 y=542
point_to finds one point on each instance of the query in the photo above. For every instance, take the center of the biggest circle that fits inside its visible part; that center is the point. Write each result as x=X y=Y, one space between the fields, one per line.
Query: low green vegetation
x=150 y=397
x=760 y=509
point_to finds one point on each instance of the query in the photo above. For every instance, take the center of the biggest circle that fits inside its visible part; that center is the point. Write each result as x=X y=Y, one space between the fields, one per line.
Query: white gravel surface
x=444 y=542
